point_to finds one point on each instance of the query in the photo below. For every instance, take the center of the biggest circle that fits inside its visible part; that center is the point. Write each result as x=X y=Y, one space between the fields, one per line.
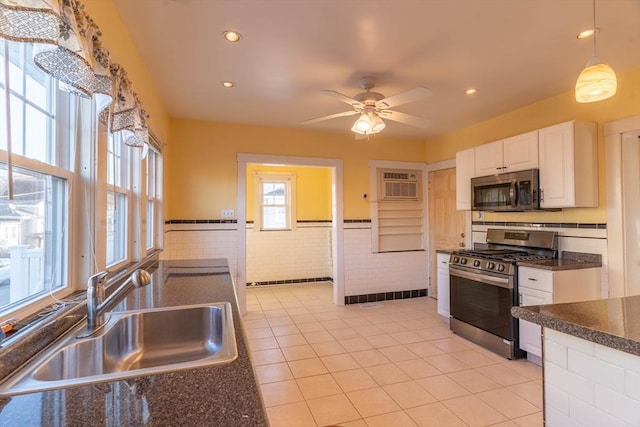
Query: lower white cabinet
x=538 y=286
x=443 y=284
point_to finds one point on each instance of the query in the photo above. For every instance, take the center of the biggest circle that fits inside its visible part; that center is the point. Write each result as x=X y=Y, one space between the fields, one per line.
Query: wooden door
x=446 y=224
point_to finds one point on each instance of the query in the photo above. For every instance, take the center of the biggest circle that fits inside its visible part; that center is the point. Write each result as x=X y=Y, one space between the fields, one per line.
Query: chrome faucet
x=96 y=303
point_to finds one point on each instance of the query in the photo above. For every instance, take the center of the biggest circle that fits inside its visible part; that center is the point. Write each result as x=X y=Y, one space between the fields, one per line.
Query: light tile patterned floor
x=395 y=364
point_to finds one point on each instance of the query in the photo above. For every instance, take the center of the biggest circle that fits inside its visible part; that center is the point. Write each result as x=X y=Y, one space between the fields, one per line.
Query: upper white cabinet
x=512 y=154
x=568 y=165
x=465 y=163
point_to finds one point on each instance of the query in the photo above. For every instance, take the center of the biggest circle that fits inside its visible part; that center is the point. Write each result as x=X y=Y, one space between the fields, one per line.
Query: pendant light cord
x=594 y=28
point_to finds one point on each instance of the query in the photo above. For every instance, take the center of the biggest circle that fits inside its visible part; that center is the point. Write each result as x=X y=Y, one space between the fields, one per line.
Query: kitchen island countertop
x=613 y=322
x=217 y=395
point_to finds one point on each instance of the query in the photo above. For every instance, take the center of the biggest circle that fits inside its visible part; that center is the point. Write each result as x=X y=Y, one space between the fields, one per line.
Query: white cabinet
x=568 y=165
x=537 y=286
x=512 y=154
x=465 y=164
x=443 y=284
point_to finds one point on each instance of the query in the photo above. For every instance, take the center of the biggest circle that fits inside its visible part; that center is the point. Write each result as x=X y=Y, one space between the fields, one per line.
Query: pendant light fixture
x=597 y=81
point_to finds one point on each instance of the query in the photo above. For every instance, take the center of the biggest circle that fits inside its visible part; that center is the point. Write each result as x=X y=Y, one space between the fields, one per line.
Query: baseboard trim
x=385 y=296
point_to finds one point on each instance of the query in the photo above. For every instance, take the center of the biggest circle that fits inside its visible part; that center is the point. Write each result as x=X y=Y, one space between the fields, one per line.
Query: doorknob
x=462 y=235
x=461 y=244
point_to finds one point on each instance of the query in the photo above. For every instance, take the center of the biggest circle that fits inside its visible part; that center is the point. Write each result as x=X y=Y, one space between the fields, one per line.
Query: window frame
x=275 y=177
x=61 y=117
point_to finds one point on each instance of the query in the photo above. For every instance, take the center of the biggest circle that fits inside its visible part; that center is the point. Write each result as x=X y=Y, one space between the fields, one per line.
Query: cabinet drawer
x=535 y=278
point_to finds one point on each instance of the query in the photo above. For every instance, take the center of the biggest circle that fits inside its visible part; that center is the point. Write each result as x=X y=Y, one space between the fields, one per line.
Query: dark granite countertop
x=568 y=261
x=559 y=264
x=613 y=322
x=223 y=395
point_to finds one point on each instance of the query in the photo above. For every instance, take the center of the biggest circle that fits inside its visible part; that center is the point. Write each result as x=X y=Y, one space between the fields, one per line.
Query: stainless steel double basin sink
x=132 y=344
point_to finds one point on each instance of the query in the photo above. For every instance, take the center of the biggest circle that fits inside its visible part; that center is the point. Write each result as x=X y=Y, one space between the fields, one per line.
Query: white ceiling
x=516 y=52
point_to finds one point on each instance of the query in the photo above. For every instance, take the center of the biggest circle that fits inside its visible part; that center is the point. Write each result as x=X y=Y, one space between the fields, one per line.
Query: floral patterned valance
x=69 y=48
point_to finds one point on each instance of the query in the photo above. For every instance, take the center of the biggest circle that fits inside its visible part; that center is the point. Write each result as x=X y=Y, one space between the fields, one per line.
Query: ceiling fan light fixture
x=597 y=81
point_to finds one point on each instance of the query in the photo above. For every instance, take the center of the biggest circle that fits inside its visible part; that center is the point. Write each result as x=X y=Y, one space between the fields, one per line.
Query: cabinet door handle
x=532 y=279
x=519 y=299
x=541 y=195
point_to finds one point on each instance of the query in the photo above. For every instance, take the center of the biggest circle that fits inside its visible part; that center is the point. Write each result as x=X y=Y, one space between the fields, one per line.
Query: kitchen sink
x=132 y=344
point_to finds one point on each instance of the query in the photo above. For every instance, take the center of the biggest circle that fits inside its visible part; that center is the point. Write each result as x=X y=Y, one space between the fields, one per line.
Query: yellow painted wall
x=202 y=173
x=313 y=190
x=558 y=109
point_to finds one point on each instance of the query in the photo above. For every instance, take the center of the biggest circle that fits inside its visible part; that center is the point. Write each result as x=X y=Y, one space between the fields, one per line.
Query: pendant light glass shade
x=377 y=124
x=597 y=81
x=362 y=125
x=368 y=124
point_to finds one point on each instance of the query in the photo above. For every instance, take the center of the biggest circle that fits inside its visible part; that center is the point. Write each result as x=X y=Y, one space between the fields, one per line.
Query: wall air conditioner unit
x=399 y=185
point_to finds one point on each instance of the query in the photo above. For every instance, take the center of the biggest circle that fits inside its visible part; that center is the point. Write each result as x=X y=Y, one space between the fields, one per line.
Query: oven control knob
x=501 y=267
x=463 y=261
x=476 y=263
x=456 y=259
x=491 y=266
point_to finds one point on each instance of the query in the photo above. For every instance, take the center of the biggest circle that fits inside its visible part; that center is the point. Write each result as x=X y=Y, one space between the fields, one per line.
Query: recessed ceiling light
x=231 y=36
x=228 y=84
x=587 y=33
x=470 y=91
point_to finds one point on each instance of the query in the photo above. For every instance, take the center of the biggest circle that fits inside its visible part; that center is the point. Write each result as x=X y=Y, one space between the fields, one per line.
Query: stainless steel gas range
x=484 y=286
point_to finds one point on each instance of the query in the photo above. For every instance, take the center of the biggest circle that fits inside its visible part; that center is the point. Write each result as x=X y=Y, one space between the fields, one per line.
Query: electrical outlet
x=227 y=213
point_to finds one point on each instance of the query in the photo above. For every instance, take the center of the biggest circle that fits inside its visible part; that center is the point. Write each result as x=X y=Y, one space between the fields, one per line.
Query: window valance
x=69 y=48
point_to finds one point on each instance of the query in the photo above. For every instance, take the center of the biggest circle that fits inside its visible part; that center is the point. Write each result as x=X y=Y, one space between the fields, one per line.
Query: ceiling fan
x=373 y=107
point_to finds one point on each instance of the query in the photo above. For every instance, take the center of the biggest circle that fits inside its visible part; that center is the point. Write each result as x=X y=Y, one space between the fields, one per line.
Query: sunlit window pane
x=32 y=238
x=37 y=91
x=116 y=227
x=150 y=222
x=36 y=132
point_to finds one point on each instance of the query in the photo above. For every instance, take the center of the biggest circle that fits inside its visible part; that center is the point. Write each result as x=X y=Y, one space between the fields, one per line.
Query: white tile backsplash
x=303 y=253
x=285 y=255
x=367 y=272
x=587 y=240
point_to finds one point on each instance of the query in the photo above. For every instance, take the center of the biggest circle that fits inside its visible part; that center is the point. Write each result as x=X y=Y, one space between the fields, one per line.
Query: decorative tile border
x=235 y=221
x=201 y=221
x=291 y=281
x=543 y=224
x=385 y=296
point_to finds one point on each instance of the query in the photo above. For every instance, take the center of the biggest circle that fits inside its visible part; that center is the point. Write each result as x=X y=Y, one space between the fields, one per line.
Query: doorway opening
x=246 y=161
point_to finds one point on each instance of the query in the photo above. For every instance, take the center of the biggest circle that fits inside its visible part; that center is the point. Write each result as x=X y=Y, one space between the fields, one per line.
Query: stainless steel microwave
x=512 y=191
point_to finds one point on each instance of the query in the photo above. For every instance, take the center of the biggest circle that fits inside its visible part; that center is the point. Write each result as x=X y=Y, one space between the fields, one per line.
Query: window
x=118 y=194
x=275 y=201
x=34 y=224
x=44 y=249
x=154 y=198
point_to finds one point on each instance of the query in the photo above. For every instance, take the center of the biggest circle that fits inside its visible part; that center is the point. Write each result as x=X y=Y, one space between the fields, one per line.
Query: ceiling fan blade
x=411 y=95
x=408 y=119
x=344 y=98
x=330 y=116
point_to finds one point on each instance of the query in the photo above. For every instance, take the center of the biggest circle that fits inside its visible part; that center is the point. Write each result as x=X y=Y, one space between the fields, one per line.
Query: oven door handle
x=490 y=280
